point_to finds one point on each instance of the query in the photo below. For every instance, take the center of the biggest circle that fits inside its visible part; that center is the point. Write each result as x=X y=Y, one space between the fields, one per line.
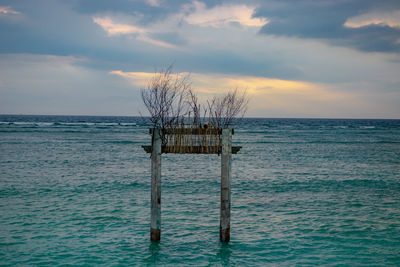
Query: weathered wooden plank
x=226 y=166
x=155 y=225
x=193 y=150
x=192 y=131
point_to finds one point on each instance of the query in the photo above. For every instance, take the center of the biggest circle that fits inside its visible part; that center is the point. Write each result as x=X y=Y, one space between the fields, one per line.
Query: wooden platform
x=192 y=150
x=192 y=131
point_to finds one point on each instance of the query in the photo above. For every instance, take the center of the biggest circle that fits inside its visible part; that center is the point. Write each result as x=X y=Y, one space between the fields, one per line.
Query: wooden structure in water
x=191 y=141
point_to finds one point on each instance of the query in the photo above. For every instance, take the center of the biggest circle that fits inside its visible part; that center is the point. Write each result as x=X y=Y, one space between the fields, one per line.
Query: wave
x=65 y=124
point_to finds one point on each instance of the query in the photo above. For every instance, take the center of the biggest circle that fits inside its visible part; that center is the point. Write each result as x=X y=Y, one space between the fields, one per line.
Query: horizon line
x=139 y=116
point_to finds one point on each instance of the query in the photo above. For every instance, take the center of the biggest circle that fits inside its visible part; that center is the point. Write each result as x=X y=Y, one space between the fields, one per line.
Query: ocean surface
x=75 y=190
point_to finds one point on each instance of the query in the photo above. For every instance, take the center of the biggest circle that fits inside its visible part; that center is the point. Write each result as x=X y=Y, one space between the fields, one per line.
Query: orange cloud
x=137 y=78
x=274 y=94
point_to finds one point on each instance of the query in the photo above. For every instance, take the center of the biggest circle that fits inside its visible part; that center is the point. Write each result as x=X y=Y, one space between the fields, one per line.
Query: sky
x=295 y=58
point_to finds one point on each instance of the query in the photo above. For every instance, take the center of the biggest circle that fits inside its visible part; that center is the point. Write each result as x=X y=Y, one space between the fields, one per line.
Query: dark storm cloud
x=325 y=20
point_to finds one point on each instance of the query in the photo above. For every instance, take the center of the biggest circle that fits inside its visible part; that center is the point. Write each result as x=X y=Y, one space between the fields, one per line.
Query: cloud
x=154 y=3
x=137 y=78
x=113 y=28
x=288 y=98
x=336 y=22
x=160 y=43
x=7 y=10
x=218 y=16
x=151 y=7
x=257 y=87
x=386 y=18
x=304 y=61
x=164 y=31
x=219 y=83
x=48 y=84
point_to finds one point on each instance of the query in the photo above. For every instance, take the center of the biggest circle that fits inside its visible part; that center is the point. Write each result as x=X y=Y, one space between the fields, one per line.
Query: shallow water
x=76 y=190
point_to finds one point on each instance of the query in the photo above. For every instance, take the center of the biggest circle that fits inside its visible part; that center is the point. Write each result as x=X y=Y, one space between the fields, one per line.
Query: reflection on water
x=154 y=250
x=224 y=253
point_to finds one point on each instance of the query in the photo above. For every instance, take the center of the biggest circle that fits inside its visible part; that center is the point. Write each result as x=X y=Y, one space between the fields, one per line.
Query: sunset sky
x=300 y=58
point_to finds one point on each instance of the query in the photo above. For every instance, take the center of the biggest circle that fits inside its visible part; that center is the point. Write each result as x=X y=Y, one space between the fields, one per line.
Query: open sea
x=75 y=190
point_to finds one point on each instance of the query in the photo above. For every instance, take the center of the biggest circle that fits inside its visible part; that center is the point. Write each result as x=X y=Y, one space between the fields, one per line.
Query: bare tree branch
x=164 y=97
x=172 y=103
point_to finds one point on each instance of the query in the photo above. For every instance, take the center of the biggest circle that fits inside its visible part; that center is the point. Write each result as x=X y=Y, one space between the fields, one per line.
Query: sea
x=75 y=191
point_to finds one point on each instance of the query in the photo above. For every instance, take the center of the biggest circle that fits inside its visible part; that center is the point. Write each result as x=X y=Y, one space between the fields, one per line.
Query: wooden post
x=155 y=226
x=225 y=211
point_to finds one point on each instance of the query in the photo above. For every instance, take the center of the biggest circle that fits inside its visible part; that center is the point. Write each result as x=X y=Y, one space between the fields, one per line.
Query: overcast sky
x=296 y=58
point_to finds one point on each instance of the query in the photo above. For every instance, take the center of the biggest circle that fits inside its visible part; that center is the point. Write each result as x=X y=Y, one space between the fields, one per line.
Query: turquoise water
x=76 y=190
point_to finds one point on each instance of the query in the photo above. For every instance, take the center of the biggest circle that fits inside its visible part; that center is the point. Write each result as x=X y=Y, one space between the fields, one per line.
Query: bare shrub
x=194 y=110
x=223 y=109
x=165 y=97
x=172 y=104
